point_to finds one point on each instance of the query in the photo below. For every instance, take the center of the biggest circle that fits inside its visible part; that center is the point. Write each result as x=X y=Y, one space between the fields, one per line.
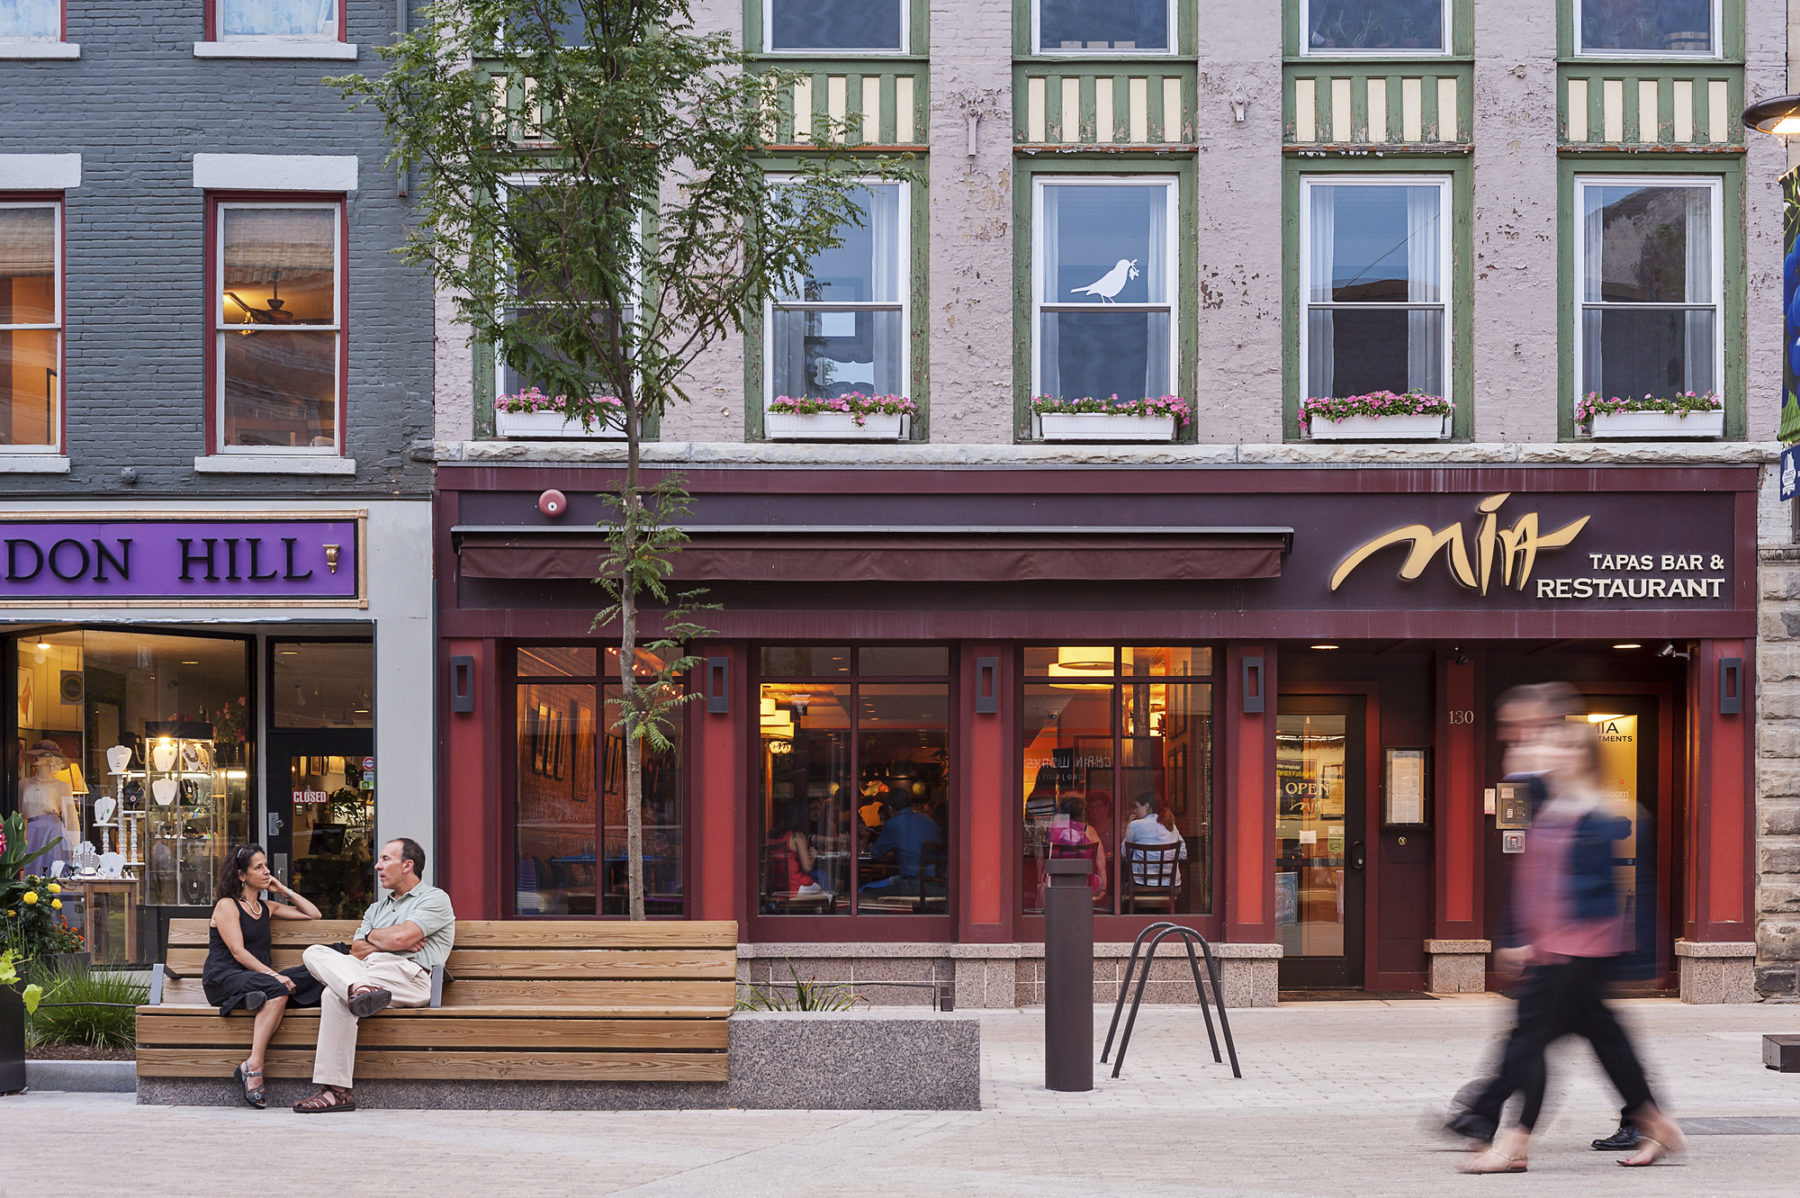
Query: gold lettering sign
x=1515 y=549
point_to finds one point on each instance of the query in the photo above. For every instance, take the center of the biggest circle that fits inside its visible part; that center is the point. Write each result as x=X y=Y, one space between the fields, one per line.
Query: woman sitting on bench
x=239 y=969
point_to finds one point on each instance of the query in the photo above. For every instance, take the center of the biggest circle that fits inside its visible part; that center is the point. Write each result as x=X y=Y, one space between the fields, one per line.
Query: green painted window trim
x=1462 y=275
x=1462 y=38
x=1186 y=45
x=1732 y=317
x=918 y=37
x=919 y=358
x=1393 y=70
x=887 y=70
x=1700 y=72
x=1026 y=172
x=1731 y=40
x=1088 y=71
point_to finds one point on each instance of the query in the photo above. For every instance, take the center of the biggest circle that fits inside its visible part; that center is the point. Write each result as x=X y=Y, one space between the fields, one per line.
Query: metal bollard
x=1069 y=977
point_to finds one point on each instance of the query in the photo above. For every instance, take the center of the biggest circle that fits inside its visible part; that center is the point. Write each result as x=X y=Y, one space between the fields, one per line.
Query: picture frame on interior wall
x=27 y=700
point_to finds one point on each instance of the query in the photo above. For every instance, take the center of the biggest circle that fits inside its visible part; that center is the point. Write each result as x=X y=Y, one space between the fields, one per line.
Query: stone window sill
x=257 y=48
x=34 y=463
x=31 y=47
x=270 y=463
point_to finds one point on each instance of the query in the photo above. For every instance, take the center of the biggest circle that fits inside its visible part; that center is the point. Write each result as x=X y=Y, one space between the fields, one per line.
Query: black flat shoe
x=254 y=1000
x=1625 y=1138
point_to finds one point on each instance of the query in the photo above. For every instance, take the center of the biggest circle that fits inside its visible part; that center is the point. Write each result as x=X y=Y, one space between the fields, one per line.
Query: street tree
x=595 y=195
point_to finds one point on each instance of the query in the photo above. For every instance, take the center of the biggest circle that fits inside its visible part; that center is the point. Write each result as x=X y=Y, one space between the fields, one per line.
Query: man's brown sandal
x=329 y=1098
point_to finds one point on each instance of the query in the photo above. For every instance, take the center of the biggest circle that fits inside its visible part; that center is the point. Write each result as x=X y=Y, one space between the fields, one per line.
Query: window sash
x=1038 y=46
x=901 y=267
x=1308 y=50
x=1040 y=263
x=21 y=337
x=904 y=46
x=223 y=329
x=1444 y=281
x=1715 y=232
x=1714 y=36
x=328 y=19
x=34 y=20
x=56 y=264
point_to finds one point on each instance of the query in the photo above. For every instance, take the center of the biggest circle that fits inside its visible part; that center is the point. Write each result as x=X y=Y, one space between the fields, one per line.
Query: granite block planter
x=553 y=426
x=1410 y=427
x=1104 y=426
x=836 y=426
x=1659 y=426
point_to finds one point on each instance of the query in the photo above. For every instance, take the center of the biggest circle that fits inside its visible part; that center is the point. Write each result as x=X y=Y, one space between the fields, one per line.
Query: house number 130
x=1464 y=716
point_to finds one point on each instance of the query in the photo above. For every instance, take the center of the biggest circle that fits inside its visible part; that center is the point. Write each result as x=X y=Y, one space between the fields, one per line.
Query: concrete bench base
x=837 y=1061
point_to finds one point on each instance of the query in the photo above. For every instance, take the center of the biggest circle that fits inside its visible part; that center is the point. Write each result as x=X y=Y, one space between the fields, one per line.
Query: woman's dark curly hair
x=231 y=886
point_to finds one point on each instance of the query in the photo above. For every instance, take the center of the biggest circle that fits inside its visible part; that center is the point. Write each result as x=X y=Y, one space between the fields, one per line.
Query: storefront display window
x=135 y=753
x=569 y=777
x=1117 y=769
x=855 y=815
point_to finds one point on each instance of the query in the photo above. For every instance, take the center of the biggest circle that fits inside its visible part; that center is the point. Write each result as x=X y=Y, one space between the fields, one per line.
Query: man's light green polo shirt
x=424 y=905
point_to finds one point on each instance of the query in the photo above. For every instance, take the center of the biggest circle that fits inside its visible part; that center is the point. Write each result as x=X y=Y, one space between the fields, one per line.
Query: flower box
x=1411 y=426
x=1658 y=426
x=837 y=426
x=551 y=424
x=1103 y=426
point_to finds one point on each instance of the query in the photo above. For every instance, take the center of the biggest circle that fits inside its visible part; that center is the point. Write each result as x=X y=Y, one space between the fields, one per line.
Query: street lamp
x=1779 y=116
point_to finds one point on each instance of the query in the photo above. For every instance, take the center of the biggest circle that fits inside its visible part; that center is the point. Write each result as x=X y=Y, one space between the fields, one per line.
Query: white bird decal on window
x=1110 y=283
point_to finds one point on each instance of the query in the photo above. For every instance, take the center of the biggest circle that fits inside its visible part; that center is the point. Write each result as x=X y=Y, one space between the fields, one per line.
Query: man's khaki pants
x=335 y=1062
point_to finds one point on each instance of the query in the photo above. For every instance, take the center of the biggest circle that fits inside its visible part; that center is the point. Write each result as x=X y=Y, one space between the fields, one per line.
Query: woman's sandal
x=253 y=1096
x=1650 y=1151
x=328 y=1098
x=1494 y=1160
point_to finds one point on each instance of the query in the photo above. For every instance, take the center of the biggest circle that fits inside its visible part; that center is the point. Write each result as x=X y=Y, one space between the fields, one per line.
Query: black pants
x=1564 y=999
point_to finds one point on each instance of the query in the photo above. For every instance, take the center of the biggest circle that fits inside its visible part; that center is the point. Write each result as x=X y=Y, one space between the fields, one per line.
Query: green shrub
x=810 y=995
x=87 y=1006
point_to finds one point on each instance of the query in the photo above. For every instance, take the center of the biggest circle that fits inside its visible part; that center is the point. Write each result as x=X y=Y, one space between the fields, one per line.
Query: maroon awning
x=844 y=554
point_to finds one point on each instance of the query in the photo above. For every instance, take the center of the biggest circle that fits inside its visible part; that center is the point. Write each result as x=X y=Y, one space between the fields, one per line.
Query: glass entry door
x=321 y=817
x=1319 y=849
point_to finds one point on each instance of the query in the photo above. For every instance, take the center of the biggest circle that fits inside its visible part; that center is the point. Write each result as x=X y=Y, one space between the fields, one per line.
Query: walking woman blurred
x=1570 y=927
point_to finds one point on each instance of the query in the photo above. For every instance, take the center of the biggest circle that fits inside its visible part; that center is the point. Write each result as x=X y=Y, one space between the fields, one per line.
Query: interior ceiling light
x=1321 y=646
x=1628 y=645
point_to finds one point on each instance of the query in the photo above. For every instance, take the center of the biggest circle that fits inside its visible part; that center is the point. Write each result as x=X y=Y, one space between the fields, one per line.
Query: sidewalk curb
x=86 y=1077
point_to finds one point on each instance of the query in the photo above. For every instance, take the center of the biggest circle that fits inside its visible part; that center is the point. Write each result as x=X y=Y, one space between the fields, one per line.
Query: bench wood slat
x=474 y=992
x=485 y=1011
x=498 y=933
x=589 y=964
x=466 y=1066
x=544 y=1035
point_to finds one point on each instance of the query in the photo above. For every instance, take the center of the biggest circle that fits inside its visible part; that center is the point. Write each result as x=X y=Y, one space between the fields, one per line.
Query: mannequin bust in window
x=48 y=805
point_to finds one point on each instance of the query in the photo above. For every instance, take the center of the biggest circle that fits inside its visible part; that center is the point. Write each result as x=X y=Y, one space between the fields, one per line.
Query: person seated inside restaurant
x=875 y=809
x=1151 y=826
x=791 y=855
x=904 y=838
x=1073 y=838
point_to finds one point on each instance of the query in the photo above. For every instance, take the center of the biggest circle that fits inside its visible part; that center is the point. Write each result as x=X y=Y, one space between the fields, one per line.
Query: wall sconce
x=1252 y=680
x=718 y=686
x=987 y=685
x=1731 y=686
x=462 y=685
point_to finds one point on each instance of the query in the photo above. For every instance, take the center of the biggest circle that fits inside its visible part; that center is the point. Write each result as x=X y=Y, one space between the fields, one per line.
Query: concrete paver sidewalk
x=1334 y=1100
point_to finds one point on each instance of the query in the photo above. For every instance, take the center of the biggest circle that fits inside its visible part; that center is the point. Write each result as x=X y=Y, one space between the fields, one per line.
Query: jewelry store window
x=133 y=752
x=569 y=852
x=1117 y=770
x=855 y=814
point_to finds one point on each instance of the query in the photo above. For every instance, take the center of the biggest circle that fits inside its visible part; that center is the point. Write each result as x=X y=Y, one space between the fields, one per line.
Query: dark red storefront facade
x=1109 y=633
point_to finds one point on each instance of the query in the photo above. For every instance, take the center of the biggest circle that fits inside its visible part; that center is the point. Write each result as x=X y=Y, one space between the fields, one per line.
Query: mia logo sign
x=1513 y=550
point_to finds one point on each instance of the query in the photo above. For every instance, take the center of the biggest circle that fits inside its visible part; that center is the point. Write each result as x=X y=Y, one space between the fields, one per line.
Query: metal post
x=1069 y=977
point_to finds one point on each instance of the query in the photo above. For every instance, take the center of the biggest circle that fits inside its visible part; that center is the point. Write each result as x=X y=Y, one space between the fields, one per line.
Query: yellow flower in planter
x=56 y=904
x=54 y=888
x=30 y=897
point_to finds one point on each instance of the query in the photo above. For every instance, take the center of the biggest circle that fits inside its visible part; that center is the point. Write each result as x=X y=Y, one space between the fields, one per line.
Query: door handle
x=1359 y=857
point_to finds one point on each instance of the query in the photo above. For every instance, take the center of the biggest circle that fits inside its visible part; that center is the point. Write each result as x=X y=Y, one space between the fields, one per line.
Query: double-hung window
x=311 y=20
x=845 y=325
x=1103 y=286
x=1375 y=279
x=1375 y=27
x=30 y=324
x=1118 y=27
x=38 y=20
x=1655 y=28
x=1647 y=274
x=278 y=332
x=835 y=26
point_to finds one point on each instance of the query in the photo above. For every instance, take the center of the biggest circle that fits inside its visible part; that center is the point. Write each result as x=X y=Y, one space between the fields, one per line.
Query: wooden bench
x=527 y=1001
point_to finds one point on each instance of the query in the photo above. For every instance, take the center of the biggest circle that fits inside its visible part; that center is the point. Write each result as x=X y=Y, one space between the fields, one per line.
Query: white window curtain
x=1321 y=347
x=883 y=216
x=30 y=18
x=1157 y=374
x=1424 y=353
x=279 y=18
x=1699 y=327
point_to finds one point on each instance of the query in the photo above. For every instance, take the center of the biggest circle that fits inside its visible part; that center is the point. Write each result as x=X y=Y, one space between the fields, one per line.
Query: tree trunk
x=631 y=504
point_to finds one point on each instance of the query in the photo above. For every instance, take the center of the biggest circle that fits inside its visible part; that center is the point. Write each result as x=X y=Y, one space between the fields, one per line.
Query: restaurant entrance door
x=1320 y=853
x=321 y=816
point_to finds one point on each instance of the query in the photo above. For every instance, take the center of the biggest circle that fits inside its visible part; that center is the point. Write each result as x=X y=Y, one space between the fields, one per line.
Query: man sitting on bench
x=405 y=935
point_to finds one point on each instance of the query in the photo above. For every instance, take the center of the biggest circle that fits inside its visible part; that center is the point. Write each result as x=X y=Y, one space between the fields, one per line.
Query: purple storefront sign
x=212 y=561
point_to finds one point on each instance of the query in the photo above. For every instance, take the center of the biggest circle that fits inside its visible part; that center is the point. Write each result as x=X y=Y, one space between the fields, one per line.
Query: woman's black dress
x=227 y=982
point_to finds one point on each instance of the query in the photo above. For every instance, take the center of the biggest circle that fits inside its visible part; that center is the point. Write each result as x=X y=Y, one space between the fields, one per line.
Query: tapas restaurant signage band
x=277 y=561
